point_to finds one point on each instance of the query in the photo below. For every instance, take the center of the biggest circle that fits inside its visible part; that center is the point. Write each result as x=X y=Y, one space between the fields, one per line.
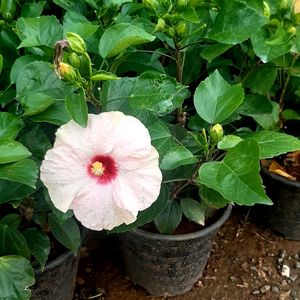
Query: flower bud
x=291 y=30
x=161 y=24
x=274 y=23
x=171 y=32
x=181 y=28
x=151 y=4
x=284 y=6
x=76 y=42
x=67 y=72
x=74 y=60
x=267 y=10
x=181 y=4
x=216 y=133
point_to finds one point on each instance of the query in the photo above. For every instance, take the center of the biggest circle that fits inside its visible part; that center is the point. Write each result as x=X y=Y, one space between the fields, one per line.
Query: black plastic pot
x=57 y=281
x=284 y=216
x=168 y=265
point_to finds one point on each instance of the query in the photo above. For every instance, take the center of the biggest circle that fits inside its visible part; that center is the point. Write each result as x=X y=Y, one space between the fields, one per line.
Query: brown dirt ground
x=246 y=259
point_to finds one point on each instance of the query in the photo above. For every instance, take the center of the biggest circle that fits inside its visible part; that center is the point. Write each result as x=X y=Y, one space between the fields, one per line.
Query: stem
x=281 y=99
x=250 y=71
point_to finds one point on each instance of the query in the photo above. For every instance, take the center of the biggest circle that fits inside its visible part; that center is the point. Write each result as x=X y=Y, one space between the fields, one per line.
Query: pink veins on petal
x=102 y=168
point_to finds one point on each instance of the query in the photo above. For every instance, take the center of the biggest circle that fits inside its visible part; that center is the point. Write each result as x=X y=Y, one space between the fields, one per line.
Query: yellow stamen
x=97 y=168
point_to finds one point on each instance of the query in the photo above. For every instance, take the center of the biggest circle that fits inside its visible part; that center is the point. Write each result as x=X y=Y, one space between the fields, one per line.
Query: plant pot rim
x=55 y=262
x=280 y=178
x=186 y=236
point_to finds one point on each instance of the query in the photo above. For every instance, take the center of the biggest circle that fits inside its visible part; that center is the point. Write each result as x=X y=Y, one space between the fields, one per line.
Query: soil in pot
x=168 y=265
x=284 y=215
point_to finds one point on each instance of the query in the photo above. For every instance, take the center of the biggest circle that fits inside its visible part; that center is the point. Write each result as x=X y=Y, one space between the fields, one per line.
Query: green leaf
x=262 y=80
x=255 y=105
x=67 y=233
x=290 y=114
x=215 y=100
x=193 y=210
x=10 y=125
x=36 y=141
x=11 y=151
x=12 y=242
x=177 y=156
x=40 y=31
x=120 y=36
x=56 y=114
x=157 y=92
x=210 y=52
x=236 y=178
x=265 y=51
x=237 y=20
x=24 y=171
x=21 y=63
x=147 y=215
x=77 y=107
x=190 y=15
x=14 y=286
x=229 y=141
x=36 y=103
x=38 y=243
x=212 y=198
x=13 y=191
x=32 y=10
x=167 y=221
x=273 y=143
x=12 y=220
x=40 y=77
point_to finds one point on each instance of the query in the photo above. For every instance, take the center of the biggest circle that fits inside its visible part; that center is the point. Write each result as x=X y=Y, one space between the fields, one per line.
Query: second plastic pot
x=168 y=265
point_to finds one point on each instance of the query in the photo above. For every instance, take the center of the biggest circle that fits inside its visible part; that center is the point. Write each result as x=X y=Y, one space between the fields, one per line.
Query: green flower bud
x=274 y=23
x=292 y=30
x=76 y=42
x=74 y=60
x=171 y=32
x=297 y=17
x=284 y=6
x=67 y=72
x=267 y=10
x=182 y=3
x=161 y=24
x=181 y=28
x=151 y=4
x=216 y=133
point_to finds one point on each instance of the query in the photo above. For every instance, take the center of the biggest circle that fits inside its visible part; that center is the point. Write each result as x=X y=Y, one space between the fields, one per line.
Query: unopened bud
x=161 y=24
x=151 y=4
x=267 y=10
x=291 y=30
x=76 y=42
x=181 y=28
x=284 y=6
x=67 y=72
x=74 y=60
x=171 y=32
x=182 y=3
x=216 y=133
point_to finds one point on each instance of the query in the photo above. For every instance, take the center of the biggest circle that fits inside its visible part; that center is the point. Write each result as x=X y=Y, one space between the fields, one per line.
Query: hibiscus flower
x=106 y=172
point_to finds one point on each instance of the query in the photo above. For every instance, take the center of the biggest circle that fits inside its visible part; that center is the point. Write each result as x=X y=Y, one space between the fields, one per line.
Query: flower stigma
x=97 y=168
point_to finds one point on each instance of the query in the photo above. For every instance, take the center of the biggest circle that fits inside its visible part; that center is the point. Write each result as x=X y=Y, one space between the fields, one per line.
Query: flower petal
x=137 y=189
x=64 y=173
x=98 y=138
x=96 y=210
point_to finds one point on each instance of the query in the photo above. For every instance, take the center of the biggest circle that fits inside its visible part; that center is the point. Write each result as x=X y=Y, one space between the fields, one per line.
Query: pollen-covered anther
x=97 y=168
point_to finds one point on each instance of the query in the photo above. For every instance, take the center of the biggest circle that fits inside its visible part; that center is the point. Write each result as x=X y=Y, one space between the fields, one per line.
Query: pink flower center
x=103 y=168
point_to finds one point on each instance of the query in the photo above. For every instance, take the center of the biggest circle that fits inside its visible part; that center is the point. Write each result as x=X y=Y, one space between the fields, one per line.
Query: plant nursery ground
x=247 y=262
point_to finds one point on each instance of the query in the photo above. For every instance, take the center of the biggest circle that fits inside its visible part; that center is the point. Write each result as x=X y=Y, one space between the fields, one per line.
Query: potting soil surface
x=247 y=262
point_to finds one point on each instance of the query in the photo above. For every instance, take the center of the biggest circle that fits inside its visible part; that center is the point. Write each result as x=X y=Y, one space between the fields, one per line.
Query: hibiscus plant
x=135 y=111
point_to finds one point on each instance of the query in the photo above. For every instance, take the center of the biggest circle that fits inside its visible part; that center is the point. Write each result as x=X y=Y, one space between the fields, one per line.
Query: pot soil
x=57 y=281
x=168 y=265
x=284 y=215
